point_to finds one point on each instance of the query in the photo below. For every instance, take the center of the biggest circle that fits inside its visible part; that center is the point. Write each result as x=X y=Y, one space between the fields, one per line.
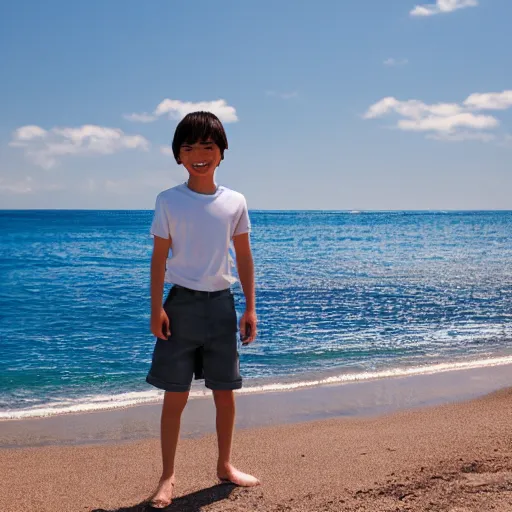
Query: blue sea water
x=341 y=296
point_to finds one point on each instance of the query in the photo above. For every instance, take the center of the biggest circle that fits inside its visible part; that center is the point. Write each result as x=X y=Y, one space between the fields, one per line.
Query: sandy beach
x=454 y=457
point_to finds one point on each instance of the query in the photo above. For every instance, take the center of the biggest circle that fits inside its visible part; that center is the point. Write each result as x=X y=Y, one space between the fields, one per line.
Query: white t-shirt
x=201 y=227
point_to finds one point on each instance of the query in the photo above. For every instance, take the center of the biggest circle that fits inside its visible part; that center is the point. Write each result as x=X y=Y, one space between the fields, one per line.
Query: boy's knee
x=224 y=398
x=174 y=403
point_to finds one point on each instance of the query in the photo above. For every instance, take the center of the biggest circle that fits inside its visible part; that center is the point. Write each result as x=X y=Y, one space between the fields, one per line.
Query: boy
x=197 y=221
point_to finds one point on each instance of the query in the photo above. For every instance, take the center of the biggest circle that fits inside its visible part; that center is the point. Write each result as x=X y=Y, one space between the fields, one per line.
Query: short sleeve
x=244 y=223
x=160 y=225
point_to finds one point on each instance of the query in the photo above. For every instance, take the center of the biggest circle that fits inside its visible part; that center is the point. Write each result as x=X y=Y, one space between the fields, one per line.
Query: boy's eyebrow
x=202 y=143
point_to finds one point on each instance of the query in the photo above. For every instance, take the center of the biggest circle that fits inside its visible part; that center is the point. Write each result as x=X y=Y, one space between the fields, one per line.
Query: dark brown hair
x=199 y=127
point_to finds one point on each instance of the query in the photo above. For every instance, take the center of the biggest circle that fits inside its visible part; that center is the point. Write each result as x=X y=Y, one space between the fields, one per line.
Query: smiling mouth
x=200 y=165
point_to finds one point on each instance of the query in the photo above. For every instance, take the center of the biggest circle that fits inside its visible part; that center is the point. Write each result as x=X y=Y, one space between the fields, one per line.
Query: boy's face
x=201 y=158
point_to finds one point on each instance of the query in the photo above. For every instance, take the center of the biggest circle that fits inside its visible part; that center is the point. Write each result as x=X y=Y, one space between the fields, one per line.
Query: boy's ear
x=178 y=161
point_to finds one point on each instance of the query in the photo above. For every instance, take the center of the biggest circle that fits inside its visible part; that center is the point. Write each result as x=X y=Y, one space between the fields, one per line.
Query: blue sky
x=367 y=104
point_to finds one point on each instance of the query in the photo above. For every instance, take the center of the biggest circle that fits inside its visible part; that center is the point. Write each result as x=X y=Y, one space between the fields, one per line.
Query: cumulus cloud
x=45 y=147
x=391 y=62
x=450 y=121
x=177 y=109
x=410 y=108
x=442 y=6
x=144 y=117
x=490 y=101
x=30 y=132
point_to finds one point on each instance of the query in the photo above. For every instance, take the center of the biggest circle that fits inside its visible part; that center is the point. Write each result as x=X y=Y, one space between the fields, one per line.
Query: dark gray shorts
x=204 y=326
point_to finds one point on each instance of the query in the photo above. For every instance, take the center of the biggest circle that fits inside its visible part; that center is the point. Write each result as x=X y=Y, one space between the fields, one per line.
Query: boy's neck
x=201 y=185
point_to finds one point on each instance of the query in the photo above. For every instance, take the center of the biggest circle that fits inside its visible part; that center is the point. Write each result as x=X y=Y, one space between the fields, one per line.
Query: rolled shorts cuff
x=220 y=386
x=166 y=386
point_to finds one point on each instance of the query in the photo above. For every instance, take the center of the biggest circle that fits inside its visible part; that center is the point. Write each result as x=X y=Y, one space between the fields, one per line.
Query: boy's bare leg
x=173 y=406
x=225 y=404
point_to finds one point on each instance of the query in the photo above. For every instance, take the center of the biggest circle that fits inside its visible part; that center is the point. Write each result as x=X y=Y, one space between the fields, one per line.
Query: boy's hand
x=249 y=319
x=160 y=326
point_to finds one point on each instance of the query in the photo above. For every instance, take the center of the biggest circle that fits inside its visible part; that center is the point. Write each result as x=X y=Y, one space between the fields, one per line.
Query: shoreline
x=333 y=376
x=335 y=400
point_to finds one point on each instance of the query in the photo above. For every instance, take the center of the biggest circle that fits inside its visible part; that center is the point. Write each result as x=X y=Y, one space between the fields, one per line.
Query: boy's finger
x=163 y=334
x=166 y=327
x=252 y=331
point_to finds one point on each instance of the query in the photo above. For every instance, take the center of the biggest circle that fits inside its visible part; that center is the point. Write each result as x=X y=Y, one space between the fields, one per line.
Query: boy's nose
x=200 y=153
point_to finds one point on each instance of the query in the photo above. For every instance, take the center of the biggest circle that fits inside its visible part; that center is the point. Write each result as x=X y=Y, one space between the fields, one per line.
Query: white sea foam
x=105 y=402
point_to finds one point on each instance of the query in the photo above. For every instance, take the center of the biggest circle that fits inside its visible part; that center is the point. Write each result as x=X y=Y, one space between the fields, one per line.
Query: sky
x=353 y=105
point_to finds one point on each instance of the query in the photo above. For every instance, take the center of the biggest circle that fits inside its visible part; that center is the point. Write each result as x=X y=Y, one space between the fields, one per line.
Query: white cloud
x=140 y=118
x=381 y=108
x=30 y=132
x=412 y=108
x=447 y=121
x=45 y=147
x=177 y=109
x=490 y=101
x=391 y=62
x=442 y=6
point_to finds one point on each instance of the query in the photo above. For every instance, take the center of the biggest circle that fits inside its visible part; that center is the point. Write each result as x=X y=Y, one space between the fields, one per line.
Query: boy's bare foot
x=162 y=497
x=229 y=474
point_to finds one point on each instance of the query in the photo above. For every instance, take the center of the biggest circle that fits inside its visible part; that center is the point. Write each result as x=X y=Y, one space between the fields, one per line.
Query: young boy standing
x=197 y=221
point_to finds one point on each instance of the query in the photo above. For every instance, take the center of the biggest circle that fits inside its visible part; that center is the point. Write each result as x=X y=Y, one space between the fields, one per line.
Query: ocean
x=341 y=296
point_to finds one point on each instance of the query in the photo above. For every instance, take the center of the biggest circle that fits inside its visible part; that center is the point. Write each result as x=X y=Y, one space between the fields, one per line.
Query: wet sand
x=353 y=399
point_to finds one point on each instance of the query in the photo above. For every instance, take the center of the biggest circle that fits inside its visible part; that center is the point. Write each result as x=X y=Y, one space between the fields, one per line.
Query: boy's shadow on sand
x=189 y=503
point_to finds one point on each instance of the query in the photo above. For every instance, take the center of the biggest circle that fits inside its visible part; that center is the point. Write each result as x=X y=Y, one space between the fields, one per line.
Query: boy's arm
x=245 y=267
x=158 y=259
